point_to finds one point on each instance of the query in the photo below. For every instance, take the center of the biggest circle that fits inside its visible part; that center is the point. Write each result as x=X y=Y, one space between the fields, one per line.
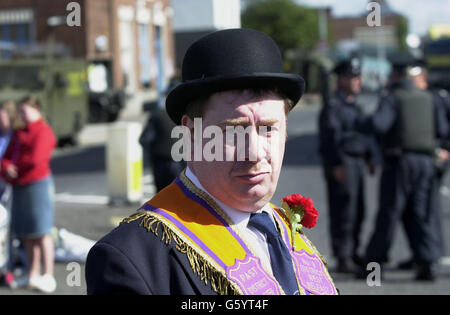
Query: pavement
x=81 y=207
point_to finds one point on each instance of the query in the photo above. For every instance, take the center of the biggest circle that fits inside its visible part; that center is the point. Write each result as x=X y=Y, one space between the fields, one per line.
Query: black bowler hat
x=231 y=59
x=349 y=68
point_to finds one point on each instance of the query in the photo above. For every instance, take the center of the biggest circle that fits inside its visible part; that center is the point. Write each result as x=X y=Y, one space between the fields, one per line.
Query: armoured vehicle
x=437 y=57
x=61 y=86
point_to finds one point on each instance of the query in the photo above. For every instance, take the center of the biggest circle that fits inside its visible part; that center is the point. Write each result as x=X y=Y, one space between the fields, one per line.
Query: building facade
x=195 y=18
x=356 y=28
x=131 y=39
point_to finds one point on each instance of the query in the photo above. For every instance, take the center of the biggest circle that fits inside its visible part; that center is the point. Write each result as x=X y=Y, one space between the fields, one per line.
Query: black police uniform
x=342 y=145
x=406 y=123
x=441 y=101
x=157 y=140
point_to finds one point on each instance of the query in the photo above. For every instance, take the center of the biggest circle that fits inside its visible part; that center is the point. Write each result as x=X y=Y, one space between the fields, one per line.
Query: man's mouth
x=253 y=178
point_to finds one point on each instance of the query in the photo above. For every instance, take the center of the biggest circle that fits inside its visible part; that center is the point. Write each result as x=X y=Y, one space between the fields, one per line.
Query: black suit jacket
x=131 y=260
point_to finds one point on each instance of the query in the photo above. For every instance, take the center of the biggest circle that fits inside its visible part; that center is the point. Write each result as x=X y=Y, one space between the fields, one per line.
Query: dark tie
x=280 y=259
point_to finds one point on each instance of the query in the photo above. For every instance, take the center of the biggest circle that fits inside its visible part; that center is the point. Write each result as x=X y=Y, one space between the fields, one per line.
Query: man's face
x=248 y=183
x=355 y=84
x=420 y=81
x=350 y=84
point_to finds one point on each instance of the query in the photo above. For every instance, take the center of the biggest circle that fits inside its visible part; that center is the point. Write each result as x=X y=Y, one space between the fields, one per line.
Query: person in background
x=26 y=166
x=419 y=76
x=7 y=118
x=405 y=122
x=156 y=139
x=345 y=151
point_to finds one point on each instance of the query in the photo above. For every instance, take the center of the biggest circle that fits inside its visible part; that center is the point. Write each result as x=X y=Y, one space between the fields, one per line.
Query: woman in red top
x=26 y=166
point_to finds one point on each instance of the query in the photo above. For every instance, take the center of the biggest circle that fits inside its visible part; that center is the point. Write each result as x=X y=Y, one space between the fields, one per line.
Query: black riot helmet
x=348 y=68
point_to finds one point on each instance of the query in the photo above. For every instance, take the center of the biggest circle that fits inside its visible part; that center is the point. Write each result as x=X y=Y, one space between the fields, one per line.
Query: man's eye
x=266 y=129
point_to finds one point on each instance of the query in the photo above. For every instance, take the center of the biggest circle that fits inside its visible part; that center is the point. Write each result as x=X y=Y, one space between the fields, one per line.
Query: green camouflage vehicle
x=437 y=57
x=316 y=68
x=61 y=86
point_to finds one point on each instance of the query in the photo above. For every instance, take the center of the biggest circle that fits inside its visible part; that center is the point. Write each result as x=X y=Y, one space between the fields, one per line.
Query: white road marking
x=147 y=179
x=65 y=197
x=445 y=191
x=148 y=189
x=83 y=199
x=445 y=261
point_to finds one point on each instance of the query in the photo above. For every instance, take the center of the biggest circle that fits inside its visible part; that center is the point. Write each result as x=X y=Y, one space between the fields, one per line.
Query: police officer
x=156 y=139
x=419 y=76
x=405 y=121
x=344 y=152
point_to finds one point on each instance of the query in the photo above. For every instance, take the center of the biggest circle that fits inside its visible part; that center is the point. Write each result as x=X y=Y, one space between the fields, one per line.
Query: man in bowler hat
x=213 y=230
x=345 y=153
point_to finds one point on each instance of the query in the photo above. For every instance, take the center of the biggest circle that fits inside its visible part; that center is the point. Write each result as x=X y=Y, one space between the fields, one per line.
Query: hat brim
x=291 y=85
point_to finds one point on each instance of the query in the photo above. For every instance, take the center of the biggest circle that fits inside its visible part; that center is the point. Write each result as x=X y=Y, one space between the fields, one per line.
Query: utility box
x=124 y=163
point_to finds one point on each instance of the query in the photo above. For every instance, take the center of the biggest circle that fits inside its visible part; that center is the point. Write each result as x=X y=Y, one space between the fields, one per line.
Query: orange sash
x=217 y=252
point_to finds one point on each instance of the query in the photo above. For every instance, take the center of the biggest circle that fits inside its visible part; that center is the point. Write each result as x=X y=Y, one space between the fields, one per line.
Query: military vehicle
x=437 y=58
x=60 y=84
x=315 y=67
x=72 y=94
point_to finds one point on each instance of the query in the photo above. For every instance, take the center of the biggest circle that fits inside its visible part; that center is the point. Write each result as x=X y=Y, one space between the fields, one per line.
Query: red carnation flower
x=310 y=219
x=293 y=200
x=306 y=205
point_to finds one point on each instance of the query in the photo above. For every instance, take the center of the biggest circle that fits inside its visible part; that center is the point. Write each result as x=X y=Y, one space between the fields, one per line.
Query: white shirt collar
x=238 y=217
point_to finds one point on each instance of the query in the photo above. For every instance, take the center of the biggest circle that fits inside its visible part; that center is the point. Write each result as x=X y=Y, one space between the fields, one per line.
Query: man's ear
x=187 y=122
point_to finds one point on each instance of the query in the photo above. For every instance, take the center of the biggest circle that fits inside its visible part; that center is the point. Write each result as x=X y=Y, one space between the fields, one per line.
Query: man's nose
x=255 y=150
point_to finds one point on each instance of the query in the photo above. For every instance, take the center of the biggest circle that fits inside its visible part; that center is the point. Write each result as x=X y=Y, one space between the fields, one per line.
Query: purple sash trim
x=204 y=204
x=285 y=234
x=191 y=235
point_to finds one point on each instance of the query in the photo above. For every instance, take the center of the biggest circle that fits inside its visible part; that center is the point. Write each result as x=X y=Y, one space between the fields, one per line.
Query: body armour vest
x=415 y=127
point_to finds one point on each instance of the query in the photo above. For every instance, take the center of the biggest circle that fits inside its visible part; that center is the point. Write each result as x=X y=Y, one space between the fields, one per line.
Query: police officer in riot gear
x=406 y=124
x=419 y=76
x=344 y=152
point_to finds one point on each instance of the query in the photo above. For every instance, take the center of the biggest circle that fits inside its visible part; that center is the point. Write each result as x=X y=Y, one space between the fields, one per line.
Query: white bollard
x=124 y=163
x=4 y=239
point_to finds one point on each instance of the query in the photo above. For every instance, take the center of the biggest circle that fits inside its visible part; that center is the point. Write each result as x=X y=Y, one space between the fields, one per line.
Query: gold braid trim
x=202 y=266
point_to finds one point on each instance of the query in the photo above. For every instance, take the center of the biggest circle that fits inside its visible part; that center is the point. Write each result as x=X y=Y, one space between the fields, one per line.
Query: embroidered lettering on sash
x=311 y=273
x=252 y=278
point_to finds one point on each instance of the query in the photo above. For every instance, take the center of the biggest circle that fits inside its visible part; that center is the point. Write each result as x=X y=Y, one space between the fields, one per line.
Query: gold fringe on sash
x=199 y=264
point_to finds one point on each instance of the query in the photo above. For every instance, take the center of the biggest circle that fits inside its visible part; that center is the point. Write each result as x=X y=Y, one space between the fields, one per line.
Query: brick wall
x=99 y=18
x=72 y=37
